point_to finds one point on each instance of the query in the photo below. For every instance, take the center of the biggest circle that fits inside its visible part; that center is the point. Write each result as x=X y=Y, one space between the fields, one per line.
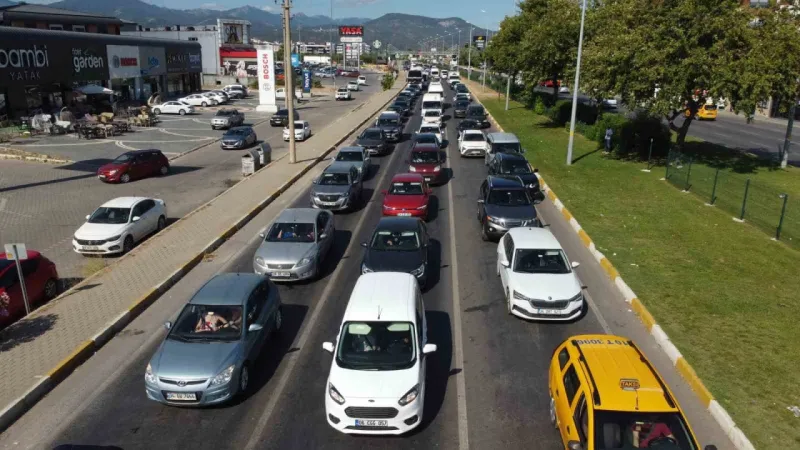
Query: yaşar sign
x=351 y=30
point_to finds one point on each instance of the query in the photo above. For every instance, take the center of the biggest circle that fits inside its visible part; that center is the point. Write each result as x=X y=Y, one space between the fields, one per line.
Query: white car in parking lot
x=199 y=100
x=221 y=98
x=178 y=107
x=302 y=131
x=538 y=279
x=118 y=224
x=472 y=143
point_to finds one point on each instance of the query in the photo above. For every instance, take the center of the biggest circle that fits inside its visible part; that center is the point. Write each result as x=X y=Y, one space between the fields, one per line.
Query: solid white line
x=184 y=135
x=126 y=147
x=461 y=387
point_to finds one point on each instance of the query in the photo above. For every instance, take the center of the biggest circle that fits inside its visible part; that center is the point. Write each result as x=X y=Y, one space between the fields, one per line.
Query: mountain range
x=402 y=31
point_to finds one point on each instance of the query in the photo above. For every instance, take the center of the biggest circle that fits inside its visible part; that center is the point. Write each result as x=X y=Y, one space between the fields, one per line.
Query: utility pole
x=332 y=48
x=486 y=44
x=289 y=78
x=469 y=56
x=508 y=89
x=575 y=89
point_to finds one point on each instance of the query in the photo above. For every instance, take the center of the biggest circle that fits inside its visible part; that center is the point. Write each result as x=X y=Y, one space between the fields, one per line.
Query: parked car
x=408 y=195
x=338 y=188
x=353 y=86
x=222 y=94
x=391 y=124
x=209 y=353
x=374 y=141
x=398 y=244
x=216 y=95
x=41 y=284
x=118 y=224
x=362 y=80
x=356 y=156
x=472 y=143
x=281 y=118
x=236 y=87
x=227 y=118
x=478 y=114
x=295 y=245
x=504 y=204
x=343 y=94
x=377 y=389
x=427 y=160
x=302 y=131
x=439 y=131
x=515 y=166
x=550 y=83
x=179 y=107
x=280 y=94
x=199 y=100
x=134 y=165
x=238 y=138
x=537 y=277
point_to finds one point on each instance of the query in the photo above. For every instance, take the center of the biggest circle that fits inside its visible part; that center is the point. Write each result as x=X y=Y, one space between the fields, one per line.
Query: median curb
x=682 y=366
x=11 y=412
x=39 y=159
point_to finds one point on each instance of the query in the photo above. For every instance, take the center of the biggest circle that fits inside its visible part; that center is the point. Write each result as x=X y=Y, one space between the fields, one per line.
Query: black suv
x=514 y=166
x=403 y=103
x=504 y=204
x=478 y=114
x=468 y=124
x=281 y=118
x=460 y=108
x=374 y=141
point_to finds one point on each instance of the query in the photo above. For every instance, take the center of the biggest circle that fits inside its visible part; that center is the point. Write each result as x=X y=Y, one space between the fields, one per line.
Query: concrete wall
x=220 y=81
x=208 y=40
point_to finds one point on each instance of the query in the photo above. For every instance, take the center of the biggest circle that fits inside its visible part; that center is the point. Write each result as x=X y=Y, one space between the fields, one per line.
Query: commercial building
x=40 y=69
x=43 y=17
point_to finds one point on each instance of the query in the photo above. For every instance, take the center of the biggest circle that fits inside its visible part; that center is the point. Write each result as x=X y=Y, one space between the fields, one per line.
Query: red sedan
x=427 y=160
x=408 y=195
x=133 y=165
x=549 y=83
x=41 y=284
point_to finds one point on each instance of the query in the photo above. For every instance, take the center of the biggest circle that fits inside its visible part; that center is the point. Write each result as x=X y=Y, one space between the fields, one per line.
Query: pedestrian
x=609 y=133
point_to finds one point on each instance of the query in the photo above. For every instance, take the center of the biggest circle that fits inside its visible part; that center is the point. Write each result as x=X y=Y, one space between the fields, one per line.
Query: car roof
x=534 y=237
x=352 y=148
x=138 y=152
x=614 y=360
x=502 y=182
x=5 y=262
x=301 y=215
x=473 y=131
x=511 y=156
x=389 y=113
x=425 y=148
x=375 y=129
x=243 y=127
x=503 y=137
x=382 y=296
x=407 y=177
x=227 y=289
x=123 y=202
x=339 y=167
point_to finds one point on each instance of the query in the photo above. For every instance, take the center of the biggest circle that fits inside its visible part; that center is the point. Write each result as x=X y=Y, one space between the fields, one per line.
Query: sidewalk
x=40 y=350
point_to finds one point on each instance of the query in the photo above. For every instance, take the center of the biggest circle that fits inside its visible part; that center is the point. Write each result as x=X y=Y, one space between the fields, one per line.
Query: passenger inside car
x=210 y=322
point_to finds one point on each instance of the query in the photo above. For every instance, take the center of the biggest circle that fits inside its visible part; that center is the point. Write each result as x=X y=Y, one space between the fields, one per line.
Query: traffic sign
x=20 y=252
x=376 y=44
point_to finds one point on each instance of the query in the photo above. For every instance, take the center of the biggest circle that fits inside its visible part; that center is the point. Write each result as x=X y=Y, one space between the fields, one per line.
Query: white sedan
x=220 y=98
x=353 y=86
x=432 y=116
x=302 y=131
x=118 y=224
x=199 y=100
x=537 y=277
x=362 y=80
x=178 y=107
x=472 y=143
x=438 y=130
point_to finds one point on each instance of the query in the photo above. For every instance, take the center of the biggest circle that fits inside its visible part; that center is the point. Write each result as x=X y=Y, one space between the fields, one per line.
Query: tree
x=670 y=56
x=503 y=50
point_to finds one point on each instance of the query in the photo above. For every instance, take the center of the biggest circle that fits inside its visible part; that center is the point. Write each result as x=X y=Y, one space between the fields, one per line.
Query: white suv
x=377 y=380
x=472 y=143
x=343 y=94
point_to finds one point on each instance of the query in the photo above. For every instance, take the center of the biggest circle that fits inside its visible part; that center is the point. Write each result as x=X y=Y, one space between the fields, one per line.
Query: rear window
x=414 y=74
x=711 y=107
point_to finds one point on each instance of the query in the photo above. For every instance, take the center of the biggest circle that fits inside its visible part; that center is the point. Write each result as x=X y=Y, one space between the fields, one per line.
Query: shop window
x=80 y=28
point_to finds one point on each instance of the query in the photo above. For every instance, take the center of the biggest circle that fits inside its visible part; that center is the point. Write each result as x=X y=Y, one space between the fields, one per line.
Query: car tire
x=484 y=232
x=124 y=178
x=204 y=104
x=244 y=379
x=162 y=223
x=278 y=320
x=156 y=111
x=50 y=289
x=127 y=245
x=164 y=170
x=182 y=112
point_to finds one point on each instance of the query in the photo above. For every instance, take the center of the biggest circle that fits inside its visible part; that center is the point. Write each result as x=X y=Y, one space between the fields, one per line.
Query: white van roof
x=384 y=296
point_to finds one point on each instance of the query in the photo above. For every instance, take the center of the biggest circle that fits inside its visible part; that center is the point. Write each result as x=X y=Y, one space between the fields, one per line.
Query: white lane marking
x=126 y=147
x=292 y=358
x=84 y=142
x=461 y=387
x=3 y=203
x=184 y=135
x=169 y=142
x=201 y=121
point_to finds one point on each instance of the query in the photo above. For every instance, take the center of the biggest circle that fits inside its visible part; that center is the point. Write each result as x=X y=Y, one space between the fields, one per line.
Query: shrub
x=636 y=135
x=316 y=83
x=539 y=107
x=561 y=113
x=387 y=81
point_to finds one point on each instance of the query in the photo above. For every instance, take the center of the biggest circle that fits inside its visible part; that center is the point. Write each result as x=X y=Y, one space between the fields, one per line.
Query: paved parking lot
x=42 y=205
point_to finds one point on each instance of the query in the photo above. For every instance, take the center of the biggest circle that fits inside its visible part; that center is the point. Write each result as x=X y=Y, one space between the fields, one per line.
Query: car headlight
x=335 y=395
x=112 y=172
x=518 y=296
x=577 y=298
x=533 y=186
x=412 y=169
x=260 y=261
x=114 y=238
x=305 y=261
x=410 y=396
x=149 y=376
x=223 y=377
x=496 y=220
x=419 y=270
x=238 y=142
x=365 y=269
x=437 y=168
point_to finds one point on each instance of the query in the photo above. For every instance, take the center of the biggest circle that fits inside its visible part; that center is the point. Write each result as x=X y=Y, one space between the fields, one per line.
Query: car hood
x=393 y=261
x=287 y=252
x=389 y=127
x=111 y=166
x=511 y=212
x=91 y=231
x=234 y=137
x=545 y=286
x=404 y=201
x=473 y=144
x=390 y=384
x=320 y=189
x=527 y=178
x=221 y=118
x=424 y=167
x=177 y=359
x=369 y=143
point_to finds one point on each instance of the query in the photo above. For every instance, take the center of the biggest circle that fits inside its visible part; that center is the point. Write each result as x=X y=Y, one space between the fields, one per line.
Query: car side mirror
x=261 y=235
x=255 y=327
x=364 y=244
x=428 y=348
x=535 y=170
x=135 y=219
x=575 y=264
x=87 y=216
x=315 y=181
x=323 y=236
x=327 y=346
x=168 y=325
x=504 y=262
x=574 y=445
x=480 y=201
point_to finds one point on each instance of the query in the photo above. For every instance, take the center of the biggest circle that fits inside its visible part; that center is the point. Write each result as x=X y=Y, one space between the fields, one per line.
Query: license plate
x=329 y=203
x=372 y=423
x=90 y=247
x=102 y=177
x=182 y=396
x=404 y=214
x=548 y=312
x=280 y=274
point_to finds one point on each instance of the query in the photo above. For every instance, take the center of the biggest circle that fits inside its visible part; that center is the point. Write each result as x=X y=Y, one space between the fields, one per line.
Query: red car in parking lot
x=41 y=284
x=427 y=160
x=408 y=195
x=134 y=165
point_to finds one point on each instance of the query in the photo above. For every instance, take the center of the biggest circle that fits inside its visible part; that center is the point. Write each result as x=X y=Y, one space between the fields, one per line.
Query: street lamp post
x=575 y=89
x=289 y=79
x=469 y=56
x=485 y=45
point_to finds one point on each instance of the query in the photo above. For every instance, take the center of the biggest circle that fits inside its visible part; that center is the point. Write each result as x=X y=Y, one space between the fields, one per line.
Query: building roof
x=382 y=296
x=123 y=202
x=614 y=360
x=16 y=34
x=227 y=289
x=303 y=215
x=47 y=13
x=534 y=237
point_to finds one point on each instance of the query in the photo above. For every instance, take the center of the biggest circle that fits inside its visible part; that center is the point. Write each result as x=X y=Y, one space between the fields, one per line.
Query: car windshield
x=343 y=90
x=424 y=157
x=468 y=125
x=508 y=197
x=376 y=346
x=406 y=188
x=432 y=113
x=388 y=122
x=401 y=102
x=123 y=158
x=208 y=323
x=527 y=260
x=282 y=112
x=350 y=156
x=237 y=131
x=110 y=215
x=431 y=105
x=515 y=167
x=474 y=137
x=664 y=431
x=430 y=129
x=224 y=112
x=506 y=147
x=426 y=138
x=372 y=135
x=475 y=111
x=334 y=179
x=291 y=232
x=395 y=240
x=462 y=104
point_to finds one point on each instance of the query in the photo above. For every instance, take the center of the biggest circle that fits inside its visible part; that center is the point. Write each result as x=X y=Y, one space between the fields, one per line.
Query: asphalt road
x=43 y=205
x=487 y=383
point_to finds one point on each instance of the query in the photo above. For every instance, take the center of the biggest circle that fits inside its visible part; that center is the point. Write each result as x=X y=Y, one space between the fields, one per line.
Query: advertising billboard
x=152 y=61
x=232 y=33
x=240 y=67
x=306 y=81
x=479 y=42
x=351 y=31
x=89 y=62
x=295 y=60
x=123 y=61
x=266 y=79
x=182 y=60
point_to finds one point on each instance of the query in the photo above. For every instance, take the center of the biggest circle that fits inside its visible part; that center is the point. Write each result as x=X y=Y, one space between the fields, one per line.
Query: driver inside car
x=645 y=434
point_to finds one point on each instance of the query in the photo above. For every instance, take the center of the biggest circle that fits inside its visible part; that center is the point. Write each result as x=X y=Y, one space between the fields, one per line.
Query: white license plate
x=90 y=247
x=328 y=203
x=280 y=274
x=102 y=177
x=372 y=423
x=182 y=396
x=404 y=214
x=549 y=312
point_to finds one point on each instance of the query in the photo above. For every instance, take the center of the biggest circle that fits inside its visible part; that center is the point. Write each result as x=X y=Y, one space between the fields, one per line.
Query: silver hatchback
x=294 y=246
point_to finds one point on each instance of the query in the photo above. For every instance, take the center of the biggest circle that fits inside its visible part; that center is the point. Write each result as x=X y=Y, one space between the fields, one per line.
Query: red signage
x=128 y=62
x=351 y=30
x=265 y=66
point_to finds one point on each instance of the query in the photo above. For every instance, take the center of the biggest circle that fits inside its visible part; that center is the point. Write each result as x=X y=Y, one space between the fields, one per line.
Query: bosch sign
x=349 y=30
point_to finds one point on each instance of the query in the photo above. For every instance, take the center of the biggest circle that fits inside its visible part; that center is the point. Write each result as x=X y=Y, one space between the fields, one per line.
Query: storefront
x=40 y=69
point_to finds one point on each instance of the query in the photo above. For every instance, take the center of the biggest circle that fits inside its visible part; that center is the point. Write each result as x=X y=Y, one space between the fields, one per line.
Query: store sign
x=182 y=60
x=152 y=61
x=479 y=42
x=89 y=62
x=306 y=81
x=351 y=30
x=266 y=79
x=123 y=61
x=24 y=63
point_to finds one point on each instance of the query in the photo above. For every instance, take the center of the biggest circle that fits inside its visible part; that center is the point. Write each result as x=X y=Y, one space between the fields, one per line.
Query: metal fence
x=746 y=200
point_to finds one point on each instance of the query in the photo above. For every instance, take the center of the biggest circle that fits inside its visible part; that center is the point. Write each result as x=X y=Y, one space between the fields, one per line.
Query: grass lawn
x=726 y=295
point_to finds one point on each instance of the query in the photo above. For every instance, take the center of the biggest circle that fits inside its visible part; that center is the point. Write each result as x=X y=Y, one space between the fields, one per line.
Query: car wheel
x=127 y=246
x=553 y=419
x=244 y=379
x=125 y=177
x=278 y=320
x=162 y=223
x=182 y=112
x=484 y=232
x=156 y=111
x=163 y=170
x=508 y=303
x=50 y=289
x=204 y=104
